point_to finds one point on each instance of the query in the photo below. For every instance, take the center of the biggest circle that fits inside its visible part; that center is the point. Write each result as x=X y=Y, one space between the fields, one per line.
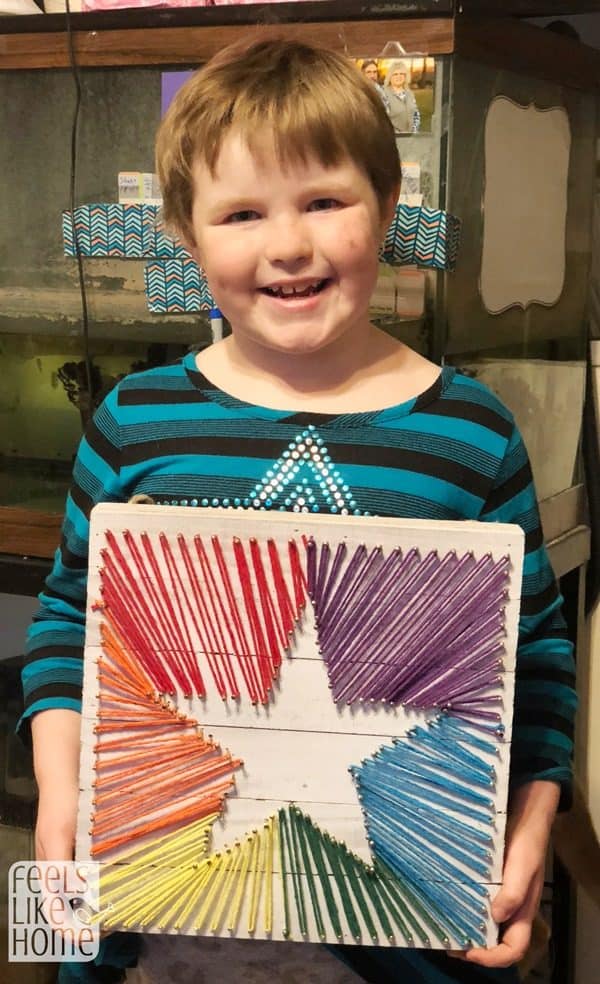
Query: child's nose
x=289 y=242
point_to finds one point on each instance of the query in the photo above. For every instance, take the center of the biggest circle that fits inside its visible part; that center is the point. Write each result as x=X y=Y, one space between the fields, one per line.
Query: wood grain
x=29 y=533
x=529 y=8
x=527 y=49
x=194 y=45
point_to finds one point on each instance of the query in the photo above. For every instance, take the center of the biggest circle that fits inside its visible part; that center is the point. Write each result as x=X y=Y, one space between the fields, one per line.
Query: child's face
x=290 y=255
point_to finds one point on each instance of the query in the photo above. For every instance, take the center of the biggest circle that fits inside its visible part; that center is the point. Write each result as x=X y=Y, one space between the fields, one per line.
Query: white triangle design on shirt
x=304 y=479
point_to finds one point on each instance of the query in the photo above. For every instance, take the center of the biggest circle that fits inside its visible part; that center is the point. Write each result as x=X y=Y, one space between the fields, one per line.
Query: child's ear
x=186 y=238
x=389 y=210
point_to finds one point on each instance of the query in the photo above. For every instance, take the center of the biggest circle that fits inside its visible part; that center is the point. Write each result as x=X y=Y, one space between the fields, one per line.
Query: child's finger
x=509 y=951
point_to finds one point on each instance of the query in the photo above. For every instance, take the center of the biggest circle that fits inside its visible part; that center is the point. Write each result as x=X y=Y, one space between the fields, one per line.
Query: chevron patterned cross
x=427 y=237
x=105 y=230
x=176 y=286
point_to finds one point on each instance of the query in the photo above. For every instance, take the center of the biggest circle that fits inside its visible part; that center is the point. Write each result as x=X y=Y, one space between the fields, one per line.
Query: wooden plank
x=527 y=49
x=194 y=45
x=299 y=746
x=29 y=533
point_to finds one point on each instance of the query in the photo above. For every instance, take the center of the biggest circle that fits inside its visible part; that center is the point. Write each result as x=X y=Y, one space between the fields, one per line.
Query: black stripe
x=160 y=397
x=82 y=500
x=543 y=718
x=77 y=603
x=525 y=764
x=54 y=690
x=475 y=413
x=534 y=604
x=549 y=674
x=101 y=445
x=534 y=539
x=72 y=560
x=513 y=486
x=55 y=652
x=366 y=455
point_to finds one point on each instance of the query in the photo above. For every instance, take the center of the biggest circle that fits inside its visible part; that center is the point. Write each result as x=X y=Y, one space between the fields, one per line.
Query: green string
x=332 y=849
x=295 y=818
x=370 y=883
x=347 y=863
x=392 y=886
x=296 y=879
x=283 y=840
x=315 y=838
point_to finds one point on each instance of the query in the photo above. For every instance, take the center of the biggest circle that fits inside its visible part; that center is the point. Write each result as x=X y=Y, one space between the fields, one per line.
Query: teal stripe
x=539 y=737
x=61 y=669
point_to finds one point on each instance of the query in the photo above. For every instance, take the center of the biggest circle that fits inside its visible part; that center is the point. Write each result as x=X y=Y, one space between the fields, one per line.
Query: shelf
x=192 y=36
x=194 y=45
x=529 y=8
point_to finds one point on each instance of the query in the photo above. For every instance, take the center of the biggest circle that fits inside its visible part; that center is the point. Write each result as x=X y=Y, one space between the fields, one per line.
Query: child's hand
x=516 y=904
x=56 y=823
x=56 y=735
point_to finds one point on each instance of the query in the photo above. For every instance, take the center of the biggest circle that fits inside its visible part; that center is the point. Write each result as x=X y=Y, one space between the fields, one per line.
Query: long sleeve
x=53 y=672
x=545 y=699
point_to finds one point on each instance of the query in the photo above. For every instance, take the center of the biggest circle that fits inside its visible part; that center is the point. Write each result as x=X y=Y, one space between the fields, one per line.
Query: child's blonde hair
x=307 y=100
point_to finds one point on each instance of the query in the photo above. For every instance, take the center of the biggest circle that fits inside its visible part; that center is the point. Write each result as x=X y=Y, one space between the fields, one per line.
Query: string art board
x=296 y=726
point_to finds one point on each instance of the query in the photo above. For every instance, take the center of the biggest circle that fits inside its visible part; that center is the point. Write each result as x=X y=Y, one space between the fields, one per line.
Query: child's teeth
x=297 y=291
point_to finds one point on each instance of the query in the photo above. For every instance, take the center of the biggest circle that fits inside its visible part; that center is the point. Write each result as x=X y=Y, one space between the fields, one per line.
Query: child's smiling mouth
x=291 y=291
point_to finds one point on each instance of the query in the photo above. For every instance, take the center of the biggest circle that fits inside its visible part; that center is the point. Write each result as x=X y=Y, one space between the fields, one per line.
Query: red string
x=179 y=647
x=219 y=641
x=258 y=639
x=176 y=581
x=243 y=651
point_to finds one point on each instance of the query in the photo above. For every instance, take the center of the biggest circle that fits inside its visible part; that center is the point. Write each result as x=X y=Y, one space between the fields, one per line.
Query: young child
x=279 y=170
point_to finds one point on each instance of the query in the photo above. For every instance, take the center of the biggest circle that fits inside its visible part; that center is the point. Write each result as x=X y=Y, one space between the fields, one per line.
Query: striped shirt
x=452 y=453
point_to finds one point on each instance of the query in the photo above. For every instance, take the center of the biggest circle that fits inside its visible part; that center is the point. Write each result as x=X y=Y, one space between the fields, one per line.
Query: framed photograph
x=406 y=86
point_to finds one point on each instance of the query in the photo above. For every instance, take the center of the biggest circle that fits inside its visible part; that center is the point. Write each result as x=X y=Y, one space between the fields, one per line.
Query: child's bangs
x=294 y=130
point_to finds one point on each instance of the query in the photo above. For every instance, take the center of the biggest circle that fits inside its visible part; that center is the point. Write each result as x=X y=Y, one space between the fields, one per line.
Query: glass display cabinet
x=505 y=142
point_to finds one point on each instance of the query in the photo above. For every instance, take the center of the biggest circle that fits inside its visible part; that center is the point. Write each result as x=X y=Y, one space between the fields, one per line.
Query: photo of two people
x=406 y=88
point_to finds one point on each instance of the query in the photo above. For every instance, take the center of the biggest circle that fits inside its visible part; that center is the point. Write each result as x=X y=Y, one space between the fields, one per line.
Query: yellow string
x=217 y=861
x=200 y=882
x=258 y=868
x=186 y=847
x=270 y=827
x=226 y=889
x=187 y=894
x=236 y=904
x=157 y=895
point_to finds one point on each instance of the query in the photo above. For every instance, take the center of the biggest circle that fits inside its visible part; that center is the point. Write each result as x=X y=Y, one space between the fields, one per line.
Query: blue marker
x=216 y=324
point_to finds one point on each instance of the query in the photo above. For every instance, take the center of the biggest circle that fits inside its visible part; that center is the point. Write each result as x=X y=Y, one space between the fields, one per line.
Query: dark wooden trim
x=528 y=49
x=29 y=533
x=23 y=575
x=255 y=13
x=529 y=8
x=193 y=45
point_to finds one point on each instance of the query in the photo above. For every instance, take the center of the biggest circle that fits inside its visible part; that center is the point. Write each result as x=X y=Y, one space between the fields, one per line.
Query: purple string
x=395 y=569
x=428 y=635
x=311 y=568
x=322 y=572
x=345 y=584
x=338 y=560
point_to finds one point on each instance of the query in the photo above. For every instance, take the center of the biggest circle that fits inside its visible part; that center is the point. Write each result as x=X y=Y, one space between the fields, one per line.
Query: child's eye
x=323 y=204
x=244 y=215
